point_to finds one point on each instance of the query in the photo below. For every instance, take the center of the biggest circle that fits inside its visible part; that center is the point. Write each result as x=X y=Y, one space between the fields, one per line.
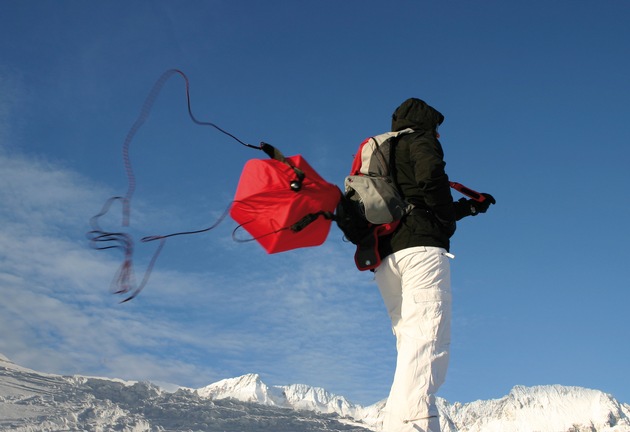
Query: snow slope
x=543 y=408
x=31 y=401
x=34 y=401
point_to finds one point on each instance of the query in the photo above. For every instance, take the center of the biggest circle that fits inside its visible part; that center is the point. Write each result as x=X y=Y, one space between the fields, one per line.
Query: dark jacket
x=418 y=168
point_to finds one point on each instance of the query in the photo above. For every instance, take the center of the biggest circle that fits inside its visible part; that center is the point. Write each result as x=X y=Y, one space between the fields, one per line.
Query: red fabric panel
x=264 y=204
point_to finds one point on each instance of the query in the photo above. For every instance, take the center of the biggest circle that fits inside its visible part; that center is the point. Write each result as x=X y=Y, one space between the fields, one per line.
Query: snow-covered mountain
x=35 y=401
x=31 y=401
x=525 y=409
x=250 y=388
x=543 y=408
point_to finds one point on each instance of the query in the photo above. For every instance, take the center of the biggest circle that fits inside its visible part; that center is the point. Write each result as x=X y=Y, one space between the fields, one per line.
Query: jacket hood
x=416 y=114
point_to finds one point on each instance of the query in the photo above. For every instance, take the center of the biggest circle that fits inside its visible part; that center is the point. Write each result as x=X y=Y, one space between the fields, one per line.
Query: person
x=414 y=275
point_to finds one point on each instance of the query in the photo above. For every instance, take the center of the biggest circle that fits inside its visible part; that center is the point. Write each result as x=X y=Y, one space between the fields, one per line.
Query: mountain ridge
x=34 y=401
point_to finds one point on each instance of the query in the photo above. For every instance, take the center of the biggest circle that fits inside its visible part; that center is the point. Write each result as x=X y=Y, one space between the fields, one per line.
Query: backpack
x=371 y=205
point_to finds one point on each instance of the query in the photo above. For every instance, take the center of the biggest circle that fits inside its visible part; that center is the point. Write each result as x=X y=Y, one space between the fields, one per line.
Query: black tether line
x=101 y=240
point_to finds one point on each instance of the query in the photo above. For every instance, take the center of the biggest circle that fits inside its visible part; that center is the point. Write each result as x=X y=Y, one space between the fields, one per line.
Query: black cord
x=103 y=240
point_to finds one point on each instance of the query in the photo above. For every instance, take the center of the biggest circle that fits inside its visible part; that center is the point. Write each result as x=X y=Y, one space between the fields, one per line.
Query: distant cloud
x=304 y=317
x=55 y=311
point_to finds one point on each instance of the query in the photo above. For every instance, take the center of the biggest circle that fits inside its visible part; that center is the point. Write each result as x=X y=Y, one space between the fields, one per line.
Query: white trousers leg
x=416 y=287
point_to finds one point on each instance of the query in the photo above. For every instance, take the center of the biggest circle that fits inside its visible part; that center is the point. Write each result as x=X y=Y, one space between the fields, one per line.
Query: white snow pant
x=415 y=285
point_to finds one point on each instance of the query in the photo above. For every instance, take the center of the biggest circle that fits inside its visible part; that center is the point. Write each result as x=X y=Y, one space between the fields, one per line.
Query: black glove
x=473 y=208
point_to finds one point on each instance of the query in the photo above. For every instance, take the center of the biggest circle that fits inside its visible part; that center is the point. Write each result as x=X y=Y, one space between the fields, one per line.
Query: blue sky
x=535 y=97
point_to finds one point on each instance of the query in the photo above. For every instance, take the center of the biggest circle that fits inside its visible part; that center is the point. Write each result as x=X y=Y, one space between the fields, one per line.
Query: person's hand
x=477 y=207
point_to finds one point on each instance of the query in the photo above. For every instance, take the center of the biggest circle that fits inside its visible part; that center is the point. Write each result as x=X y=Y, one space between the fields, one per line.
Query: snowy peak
x=304 y=397
x=250 y=388
x=542 y=408
x=246 y=388
x=586 y=408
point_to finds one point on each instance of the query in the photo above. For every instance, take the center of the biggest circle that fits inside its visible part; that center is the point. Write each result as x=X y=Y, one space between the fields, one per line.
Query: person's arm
x=432 y=180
